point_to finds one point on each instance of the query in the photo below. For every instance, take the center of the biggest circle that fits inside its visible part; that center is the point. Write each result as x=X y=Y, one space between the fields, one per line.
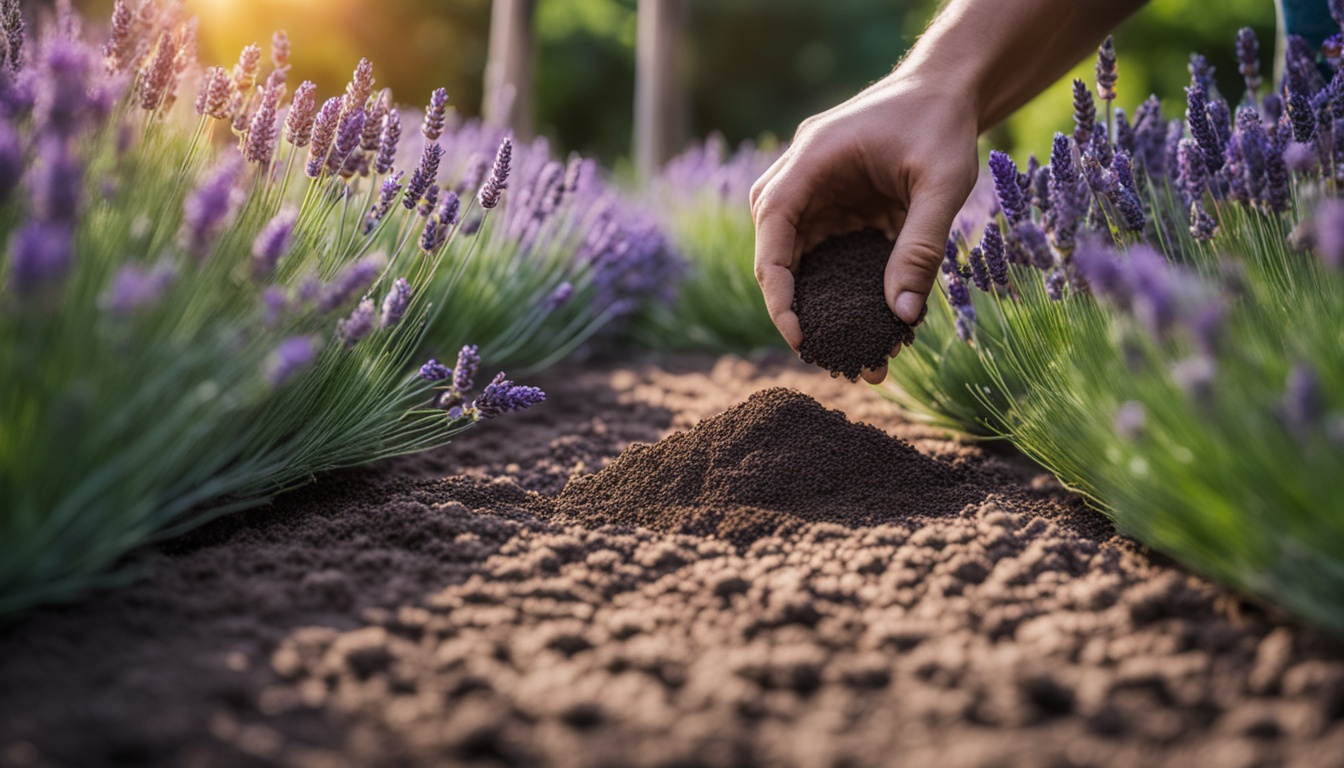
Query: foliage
x=1168 y=339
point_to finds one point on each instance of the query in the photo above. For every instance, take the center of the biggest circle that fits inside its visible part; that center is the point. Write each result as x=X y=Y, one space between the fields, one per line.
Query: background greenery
x=752 y=67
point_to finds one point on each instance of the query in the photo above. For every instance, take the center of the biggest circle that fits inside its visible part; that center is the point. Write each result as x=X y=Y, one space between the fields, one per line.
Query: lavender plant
x=1169 y=335
x=187 y=329
x=701 y=200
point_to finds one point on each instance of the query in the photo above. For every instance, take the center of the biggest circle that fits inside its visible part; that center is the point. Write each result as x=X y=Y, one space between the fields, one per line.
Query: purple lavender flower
x=1150 y=138
x=501 y=396
x=1201 y=73
x=1040 y=190
x=1011 y=200
x=1192 y=176
x=991 y=245
x=40 y=254
x=1278 y=194
x=272 y=242
x=371 y=137
x=1202 y=225
x=1084 y=114
x=1221 y=120
x=1299 y=64
x=1197 y=115
x=1301 y=158
x=209 y=208
x=302 y=113
x=468 y=363
x=261 y=134
x=1125 y=139
x=449 y=208
x=291 y=356
x=352 y=281
x=424 y=177
x=1123 y=169
x=324 y=135
x=395 y=303
x=1171 y=144
x=359 y=89
x=347 y=142
x=435 y=371
x=433 y=235
x=1248 y=55
x=1100 y=146
x=949 y=264
x=1055 y=282
x=1332 y=49
x=429 y=202
x=1130 y=208
x=159 y=77
x=1107 y=71
x=1302 y=115
x=1101 y=271
x=499 y=176
x=386 y=197
x=280 y=51
x=388 y=142
x=959 y=297
x=120 y=45
x=1328 y=230
x=57 y=183
x=135 y=288
x=358 y=325
x=432 y=127
x=274 y=305
x=246 y=70
x=979 y=272
x=1302 y=406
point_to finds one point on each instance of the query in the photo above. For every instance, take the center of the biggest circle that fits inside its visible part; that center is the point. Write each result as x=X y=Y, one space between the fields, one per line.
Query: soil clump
x=842 y=309
x=766 y=467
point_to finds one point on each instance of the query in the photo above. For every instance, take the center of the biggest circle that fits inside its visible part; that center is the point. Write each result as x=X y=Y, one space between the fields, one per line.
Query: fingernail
x=910 y=307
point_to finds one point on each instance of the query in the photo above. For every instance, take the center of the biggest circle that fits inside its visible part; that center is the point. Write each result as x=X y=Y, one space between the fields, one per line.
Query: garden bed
x=445 y=607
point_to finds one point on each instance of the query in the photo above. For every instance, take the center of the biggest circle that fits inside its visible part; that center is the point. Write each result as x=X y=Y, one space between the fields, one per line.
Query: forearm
x=1001 y=53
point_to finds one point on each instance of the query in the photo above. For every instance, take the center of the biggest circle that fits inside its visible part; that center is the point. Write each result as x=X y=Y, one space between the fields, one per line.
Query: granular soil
x=432 y=611
x=769 y=466
x=842 y=309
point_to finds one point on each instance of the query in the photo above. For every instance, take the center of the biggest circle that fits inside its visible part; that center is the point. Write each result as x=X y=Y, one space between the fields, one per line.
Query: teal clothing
x=1309 y=19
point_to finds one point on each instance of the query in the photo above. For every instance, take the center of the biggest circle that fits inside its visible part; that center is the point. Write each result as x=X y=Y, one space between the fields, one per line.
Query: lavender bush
x=1168 y=337
x=701 y=200
x=189 y=326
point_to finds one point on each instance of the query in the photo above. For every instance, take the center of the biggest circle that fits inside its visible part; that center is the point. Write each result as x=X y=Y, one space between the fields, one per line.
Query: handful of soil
x=838 y=297
x=779 y=461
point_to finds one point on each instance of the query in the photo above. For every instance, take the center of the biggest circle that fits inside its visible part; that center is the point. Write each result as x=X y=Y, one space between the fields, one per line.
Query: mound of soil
x=841 y=307
x=766 y=467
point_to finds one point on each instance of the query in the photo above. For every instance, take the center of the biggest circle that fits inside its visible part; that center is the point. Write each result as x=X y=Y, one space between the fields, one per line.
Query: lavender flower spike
x=501 y=396
x=324 y=135
x=979 y=272
x=40 y=253
x=386 y=197
x=1248 y=55
x=289 y=358
x=1011 y=200
x=347 y=142
x=120 y=45
x=432 y=127
x=1107 y=71
x=302 y=112
x=352 y=281
x=499 y=176
x=272 y=243
x=261 y=134
x=1303 y=117
x=468 y=363
x=396 y=302
x=359 y=89
x=435 y=371
x=1201 y=129
x=135 y=288
x=388 y=141
x=1084 y=114
x=245 y=72
x=1202 y=225
x=358 y=325
x=1328 y=232
x=424 y=176
x=991 y=245
x=210 y=206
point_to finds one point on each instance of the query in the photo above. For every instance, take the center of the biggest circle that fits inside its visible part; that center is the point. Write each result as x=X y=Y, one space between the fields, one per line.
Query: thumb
x=919 y=251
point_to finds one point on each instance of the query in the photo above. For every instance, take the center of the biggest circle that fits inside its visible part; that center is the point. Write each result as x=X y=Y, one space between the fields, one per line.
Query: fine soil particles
x=842 y=309
x=511 y=600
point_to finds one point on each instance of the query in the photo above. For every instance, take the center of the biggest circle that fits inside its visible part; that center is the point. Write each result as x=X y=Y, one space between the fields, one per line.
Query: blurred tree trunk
x=507 y=100
x=658 y=93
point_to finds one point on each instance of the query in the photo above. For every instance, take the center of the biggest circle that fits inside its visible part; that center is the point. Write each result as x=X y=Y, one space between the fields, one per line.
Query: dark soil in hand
x=456 y=608
x=841 y=307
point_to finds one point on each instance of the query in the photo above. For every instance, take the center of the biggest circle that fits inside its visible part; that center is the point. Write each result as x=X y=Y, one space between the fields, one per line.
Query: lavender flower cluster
x=453 y=384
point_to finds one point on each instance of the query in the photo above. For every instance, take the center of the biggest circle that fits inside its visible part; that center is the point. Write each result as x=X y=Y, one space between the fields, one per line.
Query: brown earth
x=456 y=607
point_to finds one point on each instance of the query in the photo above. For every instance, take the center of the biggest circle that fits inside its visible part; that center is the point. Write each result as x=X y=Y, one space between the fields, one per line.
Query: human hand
x=901 y=157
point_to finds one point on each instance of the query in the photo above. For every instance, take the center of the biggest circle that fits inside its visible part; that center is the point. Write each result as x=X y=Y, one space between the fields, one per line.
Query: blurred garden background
x=749 y=68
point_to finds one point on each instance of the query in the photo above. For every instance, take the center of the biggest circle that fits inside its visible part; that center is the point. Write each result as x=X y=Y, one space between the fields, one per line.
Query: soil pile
x=770 y=465
x=838 y=297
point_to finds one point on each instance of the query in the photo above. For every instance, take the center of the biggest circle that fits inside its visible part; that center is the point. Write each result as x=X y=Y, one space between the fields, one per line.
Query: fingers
x=764 y=181
x=776 y=249
x=914 y=262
